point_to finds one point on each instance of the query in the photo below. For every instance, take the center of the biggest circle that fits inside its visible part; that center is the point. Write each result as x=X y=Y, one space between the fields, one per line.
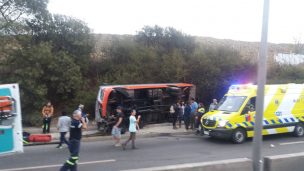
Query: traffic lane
x=152 y=152
x=156 y=151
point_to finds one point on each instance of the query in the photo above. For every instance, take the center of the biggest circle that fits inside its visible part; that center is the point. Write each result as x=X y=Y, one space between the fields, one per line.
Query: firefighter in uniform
x=200 y=113
x=77 y=124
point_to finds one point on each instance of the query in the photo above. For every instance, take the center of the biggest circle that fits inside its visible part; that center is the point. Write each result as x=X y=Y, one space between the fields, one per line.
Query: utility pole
x=262 y=69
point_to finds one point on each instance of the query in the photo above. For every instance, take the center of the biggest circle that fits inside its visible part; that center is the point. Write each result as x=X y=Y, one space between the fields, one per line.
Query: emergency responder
x=47 y=113
x=200 y=113
x=77 y=124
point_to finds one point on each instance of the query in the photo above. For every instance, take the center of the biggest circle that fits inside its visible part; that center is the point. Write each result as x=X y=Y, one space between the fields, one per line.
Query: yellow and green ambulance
x=234 y=116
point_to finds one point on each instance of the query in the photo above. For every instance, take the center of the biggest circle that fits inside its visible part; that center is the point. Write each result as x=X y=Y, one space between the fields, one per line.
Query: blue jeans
x=71 y=163
x=63 y=139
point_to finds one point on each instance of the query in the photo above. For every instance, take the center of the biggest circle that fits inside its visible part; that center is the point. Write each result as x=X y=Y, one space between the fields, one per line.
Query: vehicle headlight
x=222 y=123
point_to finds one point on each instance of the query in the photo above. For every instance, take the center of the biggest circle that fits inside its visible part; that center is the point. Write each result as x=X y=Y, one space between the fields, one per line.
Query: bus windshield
x=100 y=95
x=231 y=103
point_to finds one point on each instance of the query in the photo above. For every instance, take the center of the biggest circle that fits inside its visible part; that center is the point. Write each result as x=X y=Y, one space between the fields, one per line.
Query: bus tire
x=239 y=136
x=299 y=130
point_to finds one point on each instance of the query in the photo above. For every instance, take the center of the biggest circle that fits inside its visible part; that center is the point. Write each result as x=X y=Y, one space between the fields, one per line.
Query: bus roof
x=146 y=86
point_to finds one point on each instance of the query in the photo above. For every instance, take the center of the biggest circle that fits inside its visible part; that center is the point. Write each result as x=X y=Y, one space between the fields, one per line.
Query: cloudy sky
x=227 y=19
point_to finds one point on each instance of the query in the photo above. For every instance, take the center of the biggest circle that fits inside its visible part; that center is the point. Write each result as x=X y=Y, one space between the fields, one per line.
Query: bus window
x=100 y=95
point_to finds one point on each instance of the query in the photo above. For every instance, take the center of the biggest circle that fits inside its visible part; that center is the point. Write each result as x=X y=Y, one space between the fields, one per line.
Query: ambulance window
x=231 y=103
x=250 y=106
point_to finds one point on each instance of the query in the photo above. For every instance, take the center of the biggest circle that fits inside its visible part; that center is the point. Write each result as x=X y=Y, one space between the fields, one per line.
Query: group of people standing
x=190 y=112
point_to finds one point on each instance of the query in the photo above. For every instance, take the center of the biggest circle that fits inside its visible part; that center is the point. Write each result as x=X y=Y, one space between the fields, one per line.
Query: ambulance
x=234 y=116
x=11 y=140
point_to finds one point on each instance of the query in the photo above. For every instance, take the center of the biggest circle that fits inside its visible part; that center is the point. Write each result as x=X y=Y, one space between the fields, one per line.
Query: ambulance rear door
x=10 y=119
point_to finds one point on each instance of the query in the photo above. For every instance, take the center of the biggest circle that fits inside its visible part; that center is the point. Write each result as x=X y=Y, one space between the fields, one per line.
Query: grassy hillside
x=248 y=50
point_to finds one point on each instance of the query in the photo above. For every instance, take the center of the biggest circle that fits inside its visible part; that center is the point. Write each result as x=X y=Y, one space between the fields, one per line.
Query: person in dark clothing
x=116 y=130
x=77 y=124
x=187 y=115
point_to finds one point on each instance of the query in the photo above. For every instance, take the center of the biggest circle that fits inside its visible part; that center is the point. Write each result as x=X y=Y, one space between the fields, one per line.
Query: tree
x=166 y=40
x=66 y=34
x=42 y=75
x=14 y=13
x=298 y=46
x=213 y=70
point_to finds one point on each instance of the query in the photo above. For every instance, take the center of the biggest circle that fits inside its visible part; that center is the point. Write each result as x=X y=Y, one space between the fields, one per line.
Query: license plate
x=206 y=132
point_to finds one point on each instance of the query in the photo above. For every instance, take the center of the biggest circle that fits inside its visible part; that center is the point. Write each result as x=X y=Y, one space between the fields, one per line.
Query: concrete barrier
x=241 y=164
x=286 y=162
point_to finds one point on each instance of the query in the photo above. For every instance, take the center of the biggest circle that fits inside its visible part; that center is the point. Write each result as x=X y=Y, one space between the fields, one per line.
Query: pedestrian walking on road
x=194 y=107
x=77 y=124
x=213 y=105
x=116 y=130
x=63 y=126
x=47 y=113
x=133 y=126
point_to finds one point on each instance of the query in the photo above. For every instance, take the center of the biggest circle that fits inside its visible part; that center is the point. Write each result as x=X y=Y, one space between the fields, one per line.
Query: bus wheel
x=102 y=127
x=239 y=136
x=299 y=130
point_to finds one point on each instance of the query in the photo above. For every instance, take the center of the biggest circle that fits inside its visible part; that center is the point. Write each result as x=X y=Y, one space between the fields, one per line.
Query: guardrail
x=242 y=164
x=286 y=162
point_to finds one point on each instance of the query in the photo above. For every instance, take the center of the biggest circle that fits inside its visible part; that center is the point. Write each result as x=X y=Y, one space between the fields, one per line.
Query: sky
x=224 y=19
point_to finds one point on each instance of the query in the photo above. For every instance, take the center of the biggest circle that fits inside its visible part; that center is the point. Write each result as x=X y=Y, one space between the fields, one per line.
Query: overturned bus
x=152 y=102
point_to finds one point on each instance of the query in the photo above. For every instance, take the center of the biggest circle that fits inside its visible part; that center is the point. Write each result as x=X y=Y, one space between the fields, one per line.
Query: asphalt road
x=157 y=151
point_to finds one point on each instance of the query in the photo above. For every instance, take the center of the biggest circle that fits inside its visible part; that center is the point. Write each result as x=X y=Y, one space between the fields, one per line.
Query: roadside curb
x=89 y=138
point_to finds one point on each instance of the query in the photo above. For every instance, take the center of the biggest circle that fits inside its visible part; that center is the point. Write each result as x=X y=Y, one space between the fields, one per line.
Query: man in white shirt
x=63 y=126
x=213 y=105
x=133 y=126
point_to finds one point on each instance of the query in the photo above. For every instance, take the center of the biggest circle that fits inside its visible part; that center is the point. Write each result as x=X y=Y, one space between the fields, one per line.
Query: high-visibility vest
x=201 y=110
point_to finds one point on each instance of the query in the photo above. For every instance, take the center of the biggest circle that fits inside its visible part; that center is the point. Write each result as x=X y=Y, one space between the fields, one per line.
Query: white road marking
x=57 y=165
x=291 y=143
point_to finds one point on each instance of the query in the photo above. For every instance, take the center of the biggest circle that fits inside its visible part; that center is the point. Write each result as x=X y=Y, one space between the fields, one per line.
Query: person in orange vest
x=47 y=113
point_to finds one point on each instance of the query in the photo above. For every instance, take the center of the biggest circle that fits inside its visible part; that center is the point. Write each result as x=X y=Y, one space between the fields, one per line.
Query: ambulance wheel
x=239 y=136
x=299 y=130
